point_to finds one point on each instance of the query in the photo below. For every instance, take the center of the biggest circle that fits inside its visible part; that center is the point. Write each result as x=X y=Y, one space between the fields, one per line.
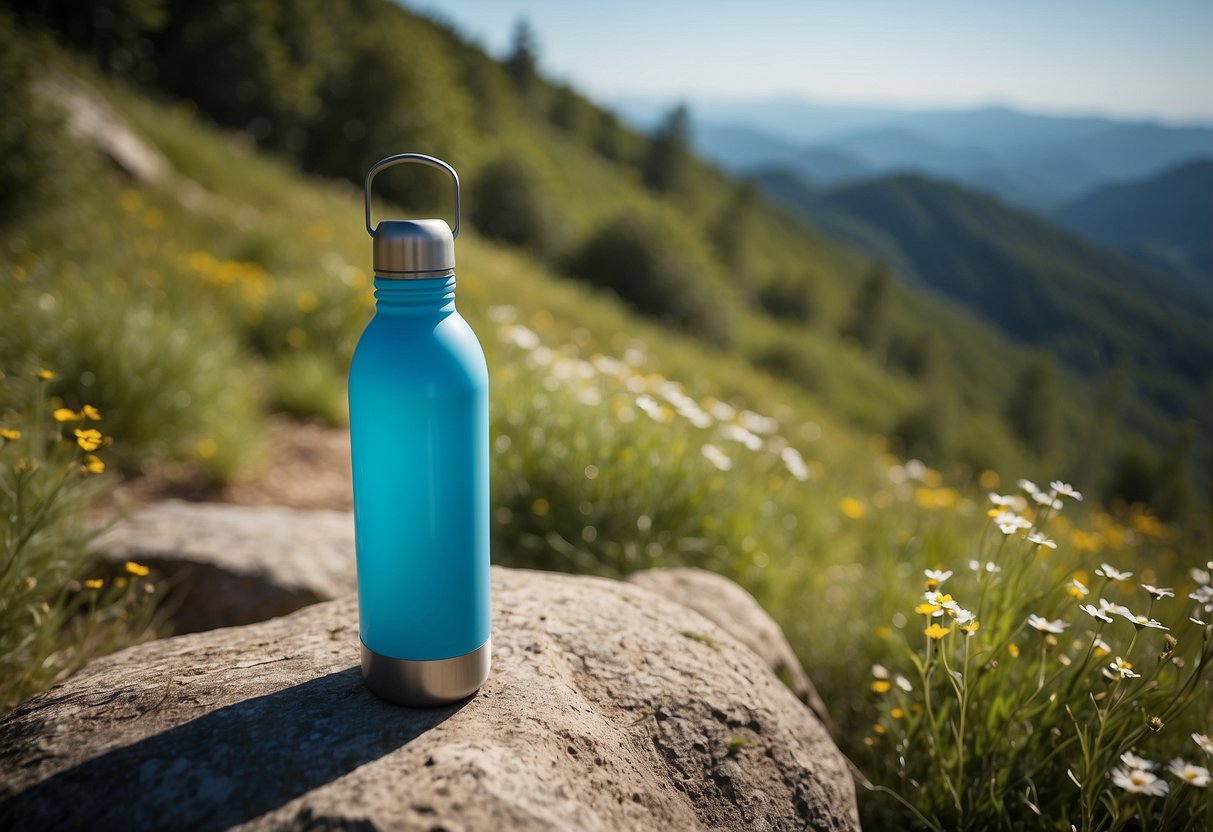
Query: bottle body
x=419 y=438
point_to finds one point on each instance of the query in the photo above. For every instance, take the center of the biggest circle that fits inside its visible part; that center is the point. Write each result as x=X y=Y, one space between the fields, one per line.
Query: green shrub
x=35 y=153
x=508 y=201
x=310 y=384
x=789 y=298
x=655 y=265
x=172 y=384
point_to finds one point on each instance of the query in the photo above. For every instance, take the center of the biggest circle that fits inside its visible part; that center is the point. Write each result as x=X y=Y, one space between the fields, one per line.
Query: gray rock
x=608 y=708
x=238 y=565
x=720 y=600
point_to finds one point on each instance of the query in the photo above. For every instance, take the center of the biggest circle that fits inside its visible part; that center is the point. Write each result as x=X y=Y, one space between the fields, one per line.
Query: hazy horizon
x=1106 y=59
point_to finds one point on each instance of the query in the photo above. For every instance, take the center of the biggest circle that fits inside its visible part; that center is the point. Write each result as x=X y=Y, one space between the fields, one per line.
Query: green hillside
x=1038 y=284
x=1166 y=221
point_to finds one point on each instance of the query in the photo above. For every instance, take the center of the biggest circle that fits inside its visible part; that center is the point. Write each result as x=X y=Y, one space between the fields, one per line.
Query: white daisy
x=1189 y=773
x=1092 y=610
x=1112 y=573
x=1159 y=592
x=1040 y=540
x=1064 y=489
x=903 y=683
x=1201 y=576
x=1047 y=500
x=938 y=576
x=1140 y=763
x=1141 y=620
x=989 y=566
x=879 y=671
x=1137 y=781
x=1028 y=486
x=1111 y=607
x=1120 y=669
x=1009 y=523
x=716 y=456
x=1045 y=625
x=1204 y=741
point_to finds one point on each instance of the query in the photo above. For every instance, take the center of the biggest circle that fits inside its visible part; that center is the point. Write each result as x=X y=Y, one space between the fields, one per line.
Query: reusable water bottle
x=419 y=437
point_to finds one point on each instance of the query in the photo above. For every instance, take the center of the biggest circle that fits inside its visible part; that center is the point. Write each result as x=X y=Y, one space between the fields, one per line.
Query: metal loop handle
x=401 y=158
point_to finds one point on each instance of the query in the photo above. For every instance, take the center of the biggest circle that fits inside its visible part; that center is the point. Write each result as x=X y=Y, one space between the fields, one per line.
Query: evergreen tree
x=1031 y=409
x=523 y=62
x=667 y=165
x=731 y=235
x=868 y=323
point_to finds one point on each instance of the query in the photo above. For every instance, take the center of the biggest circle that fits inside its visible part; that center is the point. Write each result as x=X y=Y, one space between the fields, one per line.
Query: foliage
x=55 y=612
x=510 y=202
x=1031 y=407
x=995 y=716
x=667 y=165
x=35 y=156
x=655 y=266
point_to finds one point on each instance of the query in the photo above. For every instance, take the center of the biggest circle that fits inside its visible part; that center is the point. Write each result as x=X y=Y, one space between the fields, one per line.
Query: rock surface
x=236 y=564
x=720 y=600
x=608 y=708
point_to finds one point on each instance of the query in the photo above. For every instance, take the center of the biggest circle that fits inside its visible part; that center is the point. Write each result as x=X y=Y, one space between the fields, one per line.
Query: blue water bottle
x=419 y=436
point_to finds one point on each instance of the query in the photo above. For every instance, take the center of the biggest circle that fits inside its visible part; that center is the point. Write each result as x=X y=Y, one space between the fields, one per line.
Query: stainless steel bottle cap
x=414 y=249
x=405 y=249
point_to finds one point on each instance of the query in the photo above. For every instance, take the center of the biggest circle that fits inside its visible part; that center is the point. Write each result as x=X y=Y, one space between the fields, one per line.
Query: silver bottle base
x=426 y=684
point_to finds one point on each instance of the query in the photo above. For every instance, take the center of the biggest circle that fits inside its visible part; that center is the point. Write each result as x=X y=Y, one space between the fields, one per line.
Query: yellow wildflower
x=852 y=508
x=897 y=713
x=936 y=632
x=94 y=583
x=972 y=627
x=93 y=464
x=91 y=412
x=66 y=414
x=878 y=728
x=927 y=609
x=541 y=507
x=89 y=440
x=11 y=434
x=1013 y=649
x=881 y=686
x=46 y=375
x=137 y=569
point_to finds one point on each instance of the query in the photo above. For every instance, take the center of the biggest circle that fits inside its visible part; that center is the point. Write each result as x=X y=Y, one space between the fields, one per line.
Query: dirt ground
x=306 y=466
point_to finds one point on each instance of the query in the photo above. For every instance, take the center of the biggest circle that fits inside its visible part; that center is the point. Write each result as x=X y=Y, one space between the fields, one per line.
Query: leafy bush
x=56 y=612
x=35 y=154
x=655 y=265
x=172 y=384
x=508 y=201
x=787 y=297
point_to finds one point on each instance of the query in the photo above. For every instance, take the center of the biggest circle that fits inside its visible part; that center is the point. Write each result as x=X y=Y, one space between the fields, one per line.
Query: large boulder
x=238 y=564
x=720 y=600
x=608 y=708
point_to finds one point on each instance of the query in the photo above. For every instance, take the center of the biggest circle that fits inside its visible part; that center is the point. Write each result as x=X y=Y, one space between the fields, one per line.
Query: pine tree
x=667 y=165
x=1031 y=409
x=868 y=324
x=523 y=62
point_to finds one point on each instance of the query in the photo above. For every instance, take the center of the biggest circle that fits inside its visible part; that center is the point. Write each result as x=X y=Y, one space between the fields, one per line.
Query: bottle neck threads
x=425 y=296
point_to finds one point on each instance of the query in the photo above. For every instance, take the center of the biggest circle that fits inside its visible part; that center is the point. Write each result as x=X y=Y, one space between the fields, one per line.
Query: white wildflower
x=1064 y=489
x=1040 y=540
x=1140 y=763
x=1140 y=621
x=1091 y=610
x=1159 y=592
x=1137 y=781
x=1189 y=773
x=795 y=463
x=988 y=566
x=903 y=683
x=1112 y=573
x=1045 y=625
x=717 y=457
x=937 y=576
x=1201 y=576
x=1044 y=499
x=1204 y=741
x=1009 y=523
x=1028 y=486
x=1120 y=669
x=879 y=671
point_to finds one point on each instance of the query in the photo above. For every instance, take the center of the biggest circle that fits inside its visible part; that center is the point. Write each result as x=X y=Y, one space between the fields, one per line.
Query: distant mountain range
x=1031 y=160
x=1164 y=222
x=1037 y=282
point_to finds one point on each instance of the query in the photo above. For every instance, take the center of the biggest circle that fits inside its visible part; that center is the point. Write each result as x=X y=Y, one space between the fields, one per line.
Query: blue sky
x=1124 y=57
